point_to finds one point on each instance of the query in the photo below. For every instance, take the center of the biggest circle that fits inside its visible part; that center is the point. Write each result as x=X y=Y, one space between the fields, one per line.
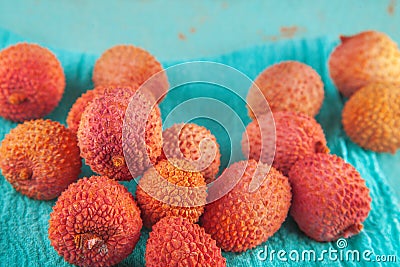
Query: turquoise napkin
x=24 y=221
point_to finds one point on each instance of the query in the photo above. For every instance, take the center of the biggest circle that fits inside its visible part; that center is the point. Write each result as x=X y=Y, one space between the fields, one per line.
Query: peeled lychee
x=95 y=222
x=32 y=82
x=287 y=86
x=40 y=158
x=243 y=219
x=371 y=117
x=330 y=199
x=297 y=135
x=194 y=143
x=171 y=188
x=120 y=133
x=174 y=241
x=131 y=66
x=364 y=58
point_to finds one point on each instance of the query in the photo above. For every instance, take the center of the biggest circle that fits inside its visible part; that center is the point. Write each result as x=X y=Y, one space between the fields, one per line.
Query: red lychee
x=364 y=58
x=243 y=219
x=95 y=222
x=287 y=86
x=330 y=199
x=175 y=241
x=32 y=82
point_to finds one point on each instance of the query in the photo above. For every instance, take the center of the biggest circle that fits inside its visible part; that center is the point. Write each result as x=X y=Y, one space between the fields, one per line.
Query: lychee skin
x=95 y=222
x=287 y=86
x=40 y=158
x=371 y=117
x=330 y=199
x=171 y=189
x=100 y=133
x=32 y=82
x=364 y=58
x=174 y=241
x=131 y=66
x=196 y=144
x=241 y=219
x=297 y=135
x=77 y=109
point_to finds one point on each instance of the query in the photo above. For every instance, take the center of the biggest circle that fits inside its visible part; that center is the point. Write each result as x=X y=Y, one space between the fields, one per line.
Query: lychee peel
x=371 y=117
x=330 y=199
x=171 y=188
x=287 y=86
x=297 y=135
x=132 y=66
x=104 y=124
x=95 y=222
x=40 y=158
x=77 y=109
x=364 y=58
x=243 y=219
x=175 y=241
x=32 y=82
x=196 y=144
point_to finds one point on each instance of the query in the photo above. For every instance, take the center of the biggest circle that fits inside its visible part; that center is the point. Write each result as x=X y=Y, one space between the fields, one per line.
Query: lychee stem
x=344 y=39
x=16 y=98
x=87 y=241
x=25 y=174
x=118 y=161
x=321 y=148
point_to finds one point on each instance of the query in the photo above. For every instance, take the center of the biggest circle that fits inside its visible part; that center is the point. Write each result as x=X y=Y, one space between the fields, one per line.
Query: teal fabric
x=24 y=221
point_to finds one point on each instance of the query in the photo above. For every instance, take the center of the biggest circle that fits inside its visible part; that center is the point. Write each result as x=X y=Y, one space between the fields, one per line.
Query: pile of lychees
x=117 y=129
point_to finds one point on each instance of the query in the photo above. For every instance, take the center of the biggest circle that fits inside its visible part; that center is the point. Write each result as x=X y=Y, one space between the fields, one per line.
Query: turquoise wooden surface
x=186 y=29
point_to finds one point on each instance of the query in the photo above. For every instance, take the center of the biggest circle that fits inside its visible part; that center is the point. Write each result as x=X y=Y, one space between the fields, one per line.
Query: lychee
x=40 y=158
x=175 y=241
x=364 y=58
x=371 y=117
x=330 y=199
x=196 y=144
x=287 y=86
x=95 y=222
x=297 y=135
x=244 y=218
x=131 y=66
x=120 y=133
x=171 y=188
x=32 y=82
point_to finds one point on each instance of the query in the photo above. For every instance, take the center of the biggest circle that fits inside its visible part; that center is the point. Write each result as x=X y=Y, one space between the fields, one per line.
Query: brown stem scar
x=17 y=98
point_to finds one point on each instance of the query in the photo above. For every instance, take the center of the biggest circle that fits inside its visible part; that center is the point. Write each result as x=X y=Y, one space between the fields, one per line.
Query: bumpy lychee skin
x=111 y=117
x=171 y=188
x=287 y=86
x=132 y=66
x=330 y=199
x=95 y=222
x=371 y=118
x=364 y=58
x=243 y=219
x=297 y=135
x=32 y=82
x=40 y=158
x=175 y=241
x=196 y=144
x=77 y=109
